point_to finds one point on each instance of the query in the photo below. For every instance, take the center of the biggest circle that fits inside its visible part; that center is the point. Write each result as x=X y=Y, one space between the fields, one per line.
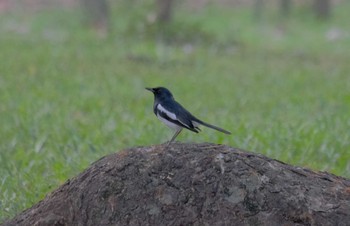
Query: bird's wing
x=176 y=114
x=190 y=121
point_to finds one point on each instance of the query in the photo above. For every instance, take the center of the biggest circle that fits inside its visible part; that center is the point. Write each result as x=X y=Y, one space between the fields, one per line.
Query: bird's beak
x=150 y=89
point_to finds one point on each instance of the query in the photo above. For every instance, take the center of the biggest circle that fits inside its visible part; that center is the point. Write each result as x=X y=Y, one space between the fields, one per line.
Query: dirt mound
x=193 y=184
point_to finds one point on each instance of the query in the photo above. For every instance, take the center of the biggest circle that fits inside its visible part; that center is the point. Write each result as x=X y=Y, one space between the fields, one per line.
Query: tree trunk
x=285 y=6
x=97 y=15
x=164 y=10
x=322 y=8
x=258 y=9
x=193 y=184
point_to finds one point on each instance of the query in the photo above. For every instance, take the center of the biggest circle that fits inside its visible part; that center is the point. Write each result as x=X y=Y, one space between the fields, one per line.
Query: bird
x=174 y=115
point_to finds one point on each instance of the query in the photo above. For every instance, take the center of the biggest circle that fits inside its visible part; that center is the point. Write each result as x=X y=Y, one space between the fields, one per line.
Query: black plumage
x=174 y=115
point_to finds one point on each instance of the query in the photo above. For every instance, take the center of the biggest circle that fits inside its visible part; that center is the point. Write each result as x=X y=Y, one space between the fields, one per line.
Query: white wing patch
x=168 y=113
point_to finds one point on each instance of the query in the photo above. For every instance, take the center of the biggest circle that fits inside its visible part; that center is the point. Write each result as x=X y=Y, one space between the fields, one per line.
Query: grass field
x=69 y=97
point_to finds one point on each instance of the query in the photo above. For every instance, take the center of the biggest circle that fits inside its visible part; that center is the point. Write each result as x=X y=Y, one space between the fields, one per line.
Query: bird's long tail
x=213 y=127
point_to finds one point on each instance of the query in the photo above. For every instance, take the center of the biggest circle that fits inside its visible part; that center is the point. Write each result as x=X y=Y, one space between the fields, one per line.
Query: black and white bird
x=172 y=114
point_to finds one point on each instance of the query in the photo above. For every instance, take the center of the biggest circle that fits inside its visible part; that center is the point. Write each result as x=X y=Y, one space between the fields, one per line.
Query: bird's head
x=160 y=92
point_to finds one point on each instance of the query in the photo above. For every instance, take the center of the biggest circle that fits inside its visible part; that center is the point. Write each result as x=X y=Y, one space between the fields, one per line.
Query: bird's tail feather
x=213 y=127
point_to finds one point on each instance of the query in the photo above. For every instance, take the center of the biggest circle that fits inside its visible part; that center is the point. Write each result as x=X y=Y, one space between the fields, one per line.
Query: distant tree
x=285 y=6
x=164 y=10
x=258 y=9
x=322 y=8
x=97 y=14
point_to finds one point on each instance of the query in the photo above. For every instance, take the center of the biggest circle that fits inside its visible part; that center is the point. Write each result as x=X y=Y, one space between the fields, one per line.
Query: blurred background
x=72 y=75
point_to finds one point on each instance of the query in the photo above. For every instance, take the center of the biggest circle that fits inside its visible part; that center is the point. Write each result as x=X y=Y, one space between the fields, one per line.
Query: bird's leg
x=178 y=131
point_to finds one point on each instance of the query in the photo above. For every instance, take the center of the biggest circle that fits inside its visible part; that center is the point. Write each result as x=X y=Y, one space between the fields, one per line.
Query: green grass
x=69 y=97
